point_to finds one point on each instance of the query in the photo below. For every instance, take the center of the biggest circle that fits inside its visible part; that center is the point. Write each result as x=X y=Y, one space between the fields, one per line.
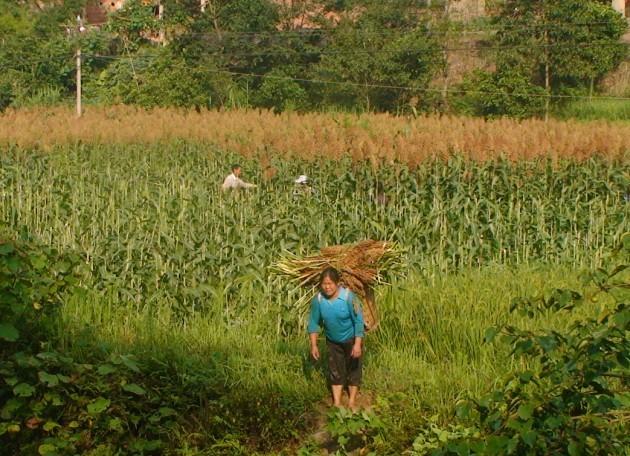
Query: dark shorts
x=344 y=370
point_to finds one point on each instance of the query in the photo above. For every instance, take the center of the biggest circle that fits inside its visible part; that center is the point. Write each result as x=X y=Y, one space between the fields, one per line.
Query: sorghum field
x=187 y=342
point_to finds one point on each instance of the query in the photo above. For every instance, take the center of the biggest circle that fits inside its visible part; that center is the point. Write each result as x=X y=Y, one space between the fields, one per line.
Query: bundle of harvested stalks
x=362 y=266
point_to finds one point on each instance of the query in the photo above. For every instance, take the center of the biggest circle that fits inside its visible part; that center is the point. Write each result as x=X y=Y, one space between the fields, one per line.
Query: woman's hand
x=314 y=349
x=356 y=349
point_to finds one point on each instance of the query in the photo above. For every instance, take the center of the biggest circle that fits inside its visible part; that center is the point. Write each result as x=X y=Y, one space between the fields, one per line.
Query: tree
x=281 y=92
x=383 y=61
x=559 y=45
x=157 y=77
x=134 y=24
x=242 y=39
x=505 y=92
x=36 y=56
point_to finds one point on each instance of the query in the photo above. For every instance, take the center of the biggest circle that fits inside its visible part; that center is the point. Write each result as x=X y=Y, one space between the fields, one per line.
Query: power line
x=428 y=27
x=417 y=89
x=149 y=59
x=410 y=88
x=436 y=55
x=324 y=52
x=429 y=30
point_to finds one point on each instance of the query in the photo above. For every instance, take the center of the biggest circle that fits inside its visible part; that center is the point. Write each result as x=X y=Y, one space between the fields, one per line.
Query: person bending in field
x=234 y=180
x=302 y=188
x=338 y=310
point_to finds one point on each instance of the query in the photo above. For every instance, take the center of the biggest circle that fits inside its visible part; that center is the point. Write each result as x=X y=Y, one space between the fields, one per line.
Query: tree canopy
x=354 y=55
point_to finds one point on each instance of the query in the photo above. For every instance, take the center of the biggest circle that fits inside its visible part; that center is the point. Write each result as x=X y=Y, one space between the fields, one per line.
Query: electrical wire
x=406 y=88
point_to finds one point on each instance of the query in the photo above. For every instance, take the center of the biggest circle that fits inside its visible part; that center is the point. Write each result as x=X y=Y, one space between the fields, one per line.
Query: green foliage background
x=139 y=313
x=380 y=56
x=162 y=225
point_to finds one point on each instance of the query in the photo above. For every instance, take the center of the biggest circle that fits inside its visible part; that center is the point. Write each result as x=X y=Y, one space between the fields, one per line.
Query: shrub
x=53 y=404
x=503 y=93
x=574 y=397
x=281 y=93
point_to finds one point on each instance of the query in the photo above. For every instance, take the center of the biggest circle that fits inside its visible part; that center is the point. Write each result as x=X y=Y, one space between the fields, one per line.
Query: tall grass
x=155 y=228
x=429 y=344
x=611 y=110
x=373 y=137
x=175 y=269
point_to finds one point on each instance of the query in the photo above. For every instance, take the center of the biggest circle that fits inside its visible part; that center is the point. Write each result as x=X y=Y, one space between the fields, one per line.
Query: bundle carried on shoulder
x=362 y=266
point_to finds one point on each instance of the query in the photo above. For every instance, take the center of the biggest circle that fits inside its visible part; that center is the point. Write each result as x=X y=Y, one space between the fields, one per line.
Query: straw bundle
x=362 y=266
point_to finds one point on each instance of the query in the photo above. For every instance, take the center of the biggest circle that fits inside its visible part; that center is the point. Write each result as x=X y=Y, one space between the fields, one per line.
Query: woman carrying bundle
x=339 y=312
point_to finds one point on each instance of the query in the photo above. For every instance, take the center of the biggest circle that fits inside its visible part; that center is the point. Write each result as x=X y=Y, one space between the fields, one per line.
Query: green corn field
x=155 y=228
x=157 y=232
x=171 y=264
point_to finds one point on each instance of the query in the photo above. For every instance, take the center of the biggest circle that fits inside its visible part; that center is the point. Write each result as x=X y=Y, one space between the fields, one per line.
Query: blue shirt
x=340 y=320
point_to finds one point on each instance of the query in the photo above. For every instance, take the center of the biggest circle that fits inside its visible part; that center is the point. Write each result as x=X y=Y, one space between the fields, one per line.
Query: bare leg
x=352 y=397
x=336 y=391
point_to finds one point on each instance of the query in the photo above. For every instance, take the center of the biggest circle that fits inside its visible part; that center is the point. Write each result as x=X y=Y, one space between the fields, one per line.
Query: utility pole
x=547 y=68
x=81 y=29
x=162 y=37
x=79 y=109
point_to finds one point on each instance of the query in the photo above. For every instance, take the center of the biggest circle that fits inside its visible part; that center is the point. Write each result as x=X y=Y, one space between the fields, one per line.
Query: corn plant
x=157 y=232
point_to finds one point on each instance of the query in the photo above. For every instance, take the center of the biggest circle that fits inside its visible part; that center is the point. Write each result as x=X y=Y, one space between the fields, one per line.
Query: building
x=306 y=10
x=96 y=11
x=466 y=10
x=470 y=9
x=95 y=14
x=622 y=6
x=111 y=5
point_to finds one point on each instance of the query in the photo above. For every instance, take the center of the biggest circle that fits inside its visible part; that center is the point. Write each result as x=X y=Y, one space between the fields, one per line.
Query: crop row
x=375 y=137
x=155 y=229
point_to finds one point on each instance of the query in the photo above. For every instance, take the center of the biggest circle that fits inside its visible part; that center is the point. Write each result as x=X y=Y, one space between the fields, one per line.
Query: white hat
x=301 y=180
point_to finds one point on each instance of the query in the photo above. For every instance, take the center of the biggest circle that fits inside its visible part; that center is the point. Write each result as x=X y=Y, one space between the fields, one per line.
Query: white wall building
x=623 y=6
